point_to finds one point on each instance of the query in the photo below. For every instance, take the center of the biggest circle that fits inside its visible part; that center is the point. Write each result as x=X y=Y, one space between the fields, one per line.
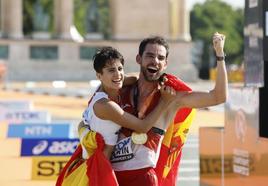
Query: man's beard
x=149 y=78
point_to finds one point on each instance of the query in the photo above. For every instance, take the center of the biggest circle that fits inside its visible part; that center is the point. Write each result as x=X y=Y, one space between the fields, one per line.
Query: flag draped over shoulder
x=170 y=154
x=94 y=171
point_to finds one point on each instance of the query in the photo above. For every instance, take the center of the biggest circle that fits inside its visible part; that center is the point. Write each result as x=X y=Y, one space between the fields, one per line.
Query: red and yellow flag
x=174 y=139
x=96 y=170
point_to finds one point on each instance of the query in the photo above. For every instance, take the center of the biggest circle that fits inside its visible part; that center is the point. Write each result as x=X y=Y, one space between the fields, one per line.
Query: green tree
x=104 y=18
x=28 y=14
x=212 y=16
x=80 y=10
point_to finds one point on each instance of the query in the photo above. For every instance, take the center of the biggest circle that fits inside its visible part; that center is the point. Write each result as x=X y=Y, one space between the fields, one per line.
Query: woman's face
x=112 y=75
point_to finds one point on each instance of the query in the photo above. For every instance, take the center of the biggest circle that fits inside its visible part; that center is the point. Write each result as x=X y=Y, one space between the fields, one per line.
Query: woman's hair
x=105 y=55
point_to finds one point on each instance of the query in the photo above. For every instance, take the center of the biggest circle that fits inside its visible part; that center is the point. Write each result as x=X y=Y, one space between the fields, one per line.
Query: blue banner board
x=34 y=131
x=48 y=147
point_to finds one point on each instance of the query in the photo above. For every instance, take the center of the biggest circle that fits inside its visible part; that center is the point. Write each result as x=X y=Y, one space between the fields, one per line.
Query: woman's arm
x=130 y=78
x=109 y=110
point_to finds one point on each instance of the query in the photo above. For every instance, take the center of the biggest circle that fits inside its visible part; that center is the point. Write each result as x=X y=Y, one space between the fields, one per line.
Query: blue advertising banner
x=48 y=147
x=34 y=131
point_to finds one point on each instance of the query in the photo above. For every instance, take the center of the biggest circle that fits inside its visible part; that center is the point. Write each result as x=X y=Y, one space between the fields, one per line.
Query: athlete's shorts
x=140 y=177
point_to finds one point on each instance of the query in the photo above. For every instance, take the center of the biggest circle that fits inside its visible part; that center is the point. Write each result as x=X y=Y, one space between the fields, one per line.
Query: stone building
x=42 y=58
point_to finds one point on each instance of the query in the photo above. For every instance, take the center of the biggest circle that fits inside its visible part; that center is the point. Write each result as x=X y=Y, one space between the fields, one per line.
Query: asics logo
x=40 y=147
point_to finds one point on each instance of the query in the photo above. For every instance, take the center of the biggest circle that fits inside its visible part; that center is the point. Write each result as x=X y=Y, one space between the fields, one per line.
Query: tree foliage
x=212 y=16
x=80 y=9
x=29 y=14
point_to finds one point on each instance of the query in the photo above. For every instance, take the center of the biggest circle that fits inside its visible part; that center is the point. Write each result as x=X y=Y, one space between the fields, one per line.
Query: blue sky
x=234 y=3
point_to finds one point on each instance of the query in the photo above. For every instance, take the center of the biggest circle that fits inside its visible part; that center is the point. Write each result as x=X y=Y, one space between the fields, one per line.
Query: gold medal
x=139 y=138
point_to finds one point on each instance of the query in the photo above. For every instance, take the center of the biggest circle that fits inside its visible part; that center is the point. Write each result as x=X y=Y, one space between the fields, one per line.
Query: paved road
x=189 y=167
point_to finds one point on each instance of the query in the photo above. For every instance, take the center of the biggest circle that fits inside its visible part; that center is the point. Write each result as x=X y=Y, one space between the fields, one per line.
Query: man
x=135 y=160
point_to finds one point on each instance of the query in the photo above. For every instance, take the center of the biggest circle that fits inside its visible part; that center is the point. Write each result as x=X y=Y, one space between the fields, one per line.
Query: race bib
x=122 y=151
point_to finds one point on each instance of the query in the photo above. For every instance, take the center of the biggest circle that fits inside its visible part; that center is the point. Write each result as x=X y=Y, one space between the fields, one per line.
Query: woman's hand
x=130 y=78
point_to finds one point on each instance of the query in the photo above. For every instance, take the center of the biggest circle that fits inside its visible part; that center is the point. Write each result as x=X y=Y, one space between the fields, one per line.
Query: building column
x=174 y=22
x=63 y=18
x=185 y=21
x=11 y=18
x=179 y=20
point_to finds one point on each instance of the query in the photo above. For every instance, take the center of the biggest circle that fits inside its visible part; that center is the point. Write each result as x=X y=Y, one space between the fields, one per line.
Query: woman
x=105 y=116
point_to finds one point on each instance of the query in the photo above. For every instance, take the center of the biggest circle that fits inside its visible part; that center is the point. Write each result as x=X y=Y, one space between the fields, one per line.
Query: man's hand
x=168 y=94
x=218 y=44
x=163 y=79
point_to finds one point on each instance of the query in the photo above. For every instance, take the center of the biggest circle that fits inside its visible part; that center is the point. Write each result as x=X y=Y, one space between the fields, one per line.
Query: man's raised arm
x=218 y=94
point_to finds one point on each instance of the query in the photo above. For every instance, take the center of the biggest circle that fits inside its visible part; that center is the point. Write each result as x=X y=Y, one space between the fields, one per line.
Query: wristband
x=220 y=58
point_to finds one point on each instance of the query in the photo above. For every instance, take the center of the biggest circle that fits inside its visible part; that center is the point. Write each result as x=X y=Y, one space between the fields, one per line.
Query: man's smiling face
x=153 y=61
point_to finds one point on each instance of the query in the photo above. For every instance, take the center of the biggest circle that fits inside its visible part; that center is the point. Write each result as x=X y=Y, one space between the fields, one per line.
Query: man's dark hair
x=153 y=40
x=105 y=55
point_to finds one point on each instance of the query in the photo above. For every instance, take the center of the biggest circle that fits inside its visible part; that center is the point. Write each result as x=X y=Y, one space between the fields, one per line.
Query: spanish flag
x=174 y=139
x=96 y=170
